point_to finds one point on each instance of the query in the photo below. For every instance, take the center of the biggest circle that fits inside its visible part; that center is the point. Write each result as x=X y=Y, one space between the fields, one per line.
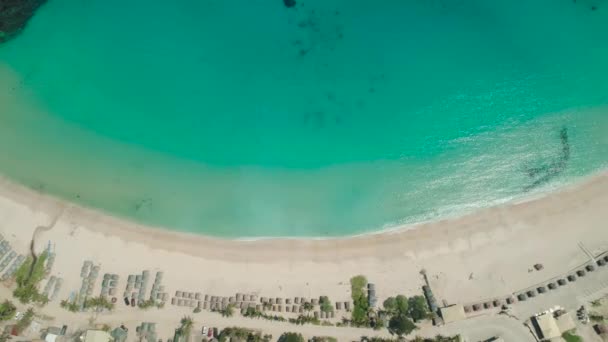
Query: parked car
x=127 y=301
x=210 y=333
x=205 y=331
x=216 y=332
x=133 y=302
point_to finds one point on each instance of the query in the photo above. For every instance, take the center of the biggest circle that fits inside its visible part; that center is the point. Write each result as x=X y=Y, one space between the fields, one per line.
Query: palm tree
x=186 y=326
x=308 y=307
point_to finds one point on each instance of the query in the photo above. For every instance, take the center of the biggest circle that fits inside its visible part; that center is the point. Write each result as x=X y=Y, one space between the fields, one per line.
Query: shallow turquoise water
x=248 y=119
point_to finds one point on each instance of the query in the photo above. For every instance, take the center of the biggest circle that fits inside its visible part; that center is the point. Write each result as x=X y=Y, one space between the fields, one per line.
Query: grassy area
x=358 y=287
x=571 y=337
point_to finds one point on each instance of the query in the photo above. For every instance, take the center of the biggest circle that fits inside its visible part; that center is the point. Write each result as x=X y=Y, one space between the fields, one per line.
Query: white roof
x=453 y=313
x=548 y=326
x=50 y=337
x=97 y=336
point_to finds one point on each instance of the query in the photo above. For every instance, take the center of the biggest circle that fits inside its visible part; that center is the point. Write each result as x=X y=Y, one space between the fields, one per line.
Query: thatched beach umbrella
x=581 y=273
x=487 y=305
x=561 y=282
x=522 y=297
x=531 y=293
x=497 y=303
x=541 y=289
x=590 y=268
x=552 y=286
x=601 y=262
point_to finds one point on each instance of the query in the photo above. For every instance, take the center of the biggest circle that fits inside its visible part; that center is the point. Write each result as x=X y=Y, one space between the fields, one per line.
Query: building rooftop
x=97 y=336
x=453 y=313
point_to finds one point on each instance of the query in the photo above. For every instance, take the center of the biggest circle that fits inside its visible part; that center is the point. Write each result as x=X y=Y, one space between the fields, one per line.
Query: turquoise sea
x=336 y=117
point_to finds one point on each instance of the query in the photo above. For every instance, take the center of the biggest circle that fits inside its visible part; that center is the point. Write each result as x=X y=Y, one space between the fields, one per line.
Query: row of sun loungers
x=539 y=290
x=109 y=285
x=53 y=284
x=89 y=274
x=13 y=267
x=137 y=285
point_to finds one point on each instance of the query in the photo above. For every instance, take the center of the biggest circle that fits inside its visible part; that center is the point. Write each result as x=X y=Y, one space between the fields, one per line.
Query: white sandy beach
x=481 y=255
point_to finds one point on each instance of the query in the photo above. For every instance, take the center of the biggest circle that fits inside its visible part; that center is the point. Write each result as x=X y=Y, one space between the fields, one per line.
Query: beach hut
x=581 y=273
x=590 y=268
x=521 y=297
x=296 y=300
x=541 y=289
x=561 y=282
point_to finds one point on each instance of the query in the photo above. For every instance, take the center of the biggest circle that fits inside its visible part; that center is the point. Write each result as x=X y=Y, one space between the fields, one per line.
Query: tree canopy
x=400 y=325
x=291 y=337
x=7 y=310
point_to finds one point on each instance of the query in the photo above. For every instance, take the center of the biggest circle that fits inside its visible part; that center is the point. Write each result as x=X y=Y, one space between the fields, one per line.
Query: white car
x=18 y=315
x=205 y=331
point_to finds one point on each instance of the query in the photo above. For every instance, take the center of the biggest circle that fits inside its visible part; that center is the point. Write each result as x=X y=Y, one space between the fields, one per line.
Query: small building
x=546 y=327
x=453 y=313
x=119 y=334
x=97 y=336
x=552 y=324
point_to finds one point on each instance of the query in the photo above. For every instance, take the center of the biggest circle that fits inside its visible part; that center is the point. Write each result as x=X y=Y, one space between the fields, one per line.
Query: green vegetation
x=400 y=325
x=146 y=304
x=228 y=311
x=437 y=338
x=27 y=276
x=197 y=310
x=324 y=339
x=571 y=337
x=98 y=303
x=73 y=307
x=25 y=321
x=7 y=310
x=291 y=337
x=596 y=303
x=243 y=334
x=325 y=304
x=359 y=317
x=186 y=327
x=5 y=336
x=417 y=308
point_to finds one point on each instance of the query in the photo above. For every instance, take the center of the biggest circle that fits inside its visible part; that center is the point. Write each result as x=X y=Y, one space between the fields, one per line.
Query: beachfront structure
x=552 y=324
x=453 y=313
x=96 y=336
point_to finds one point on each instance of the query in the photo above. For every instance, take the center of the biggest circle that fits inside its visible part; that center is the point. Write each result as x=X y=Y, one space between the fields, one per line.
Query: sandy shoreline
x=485 y=254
